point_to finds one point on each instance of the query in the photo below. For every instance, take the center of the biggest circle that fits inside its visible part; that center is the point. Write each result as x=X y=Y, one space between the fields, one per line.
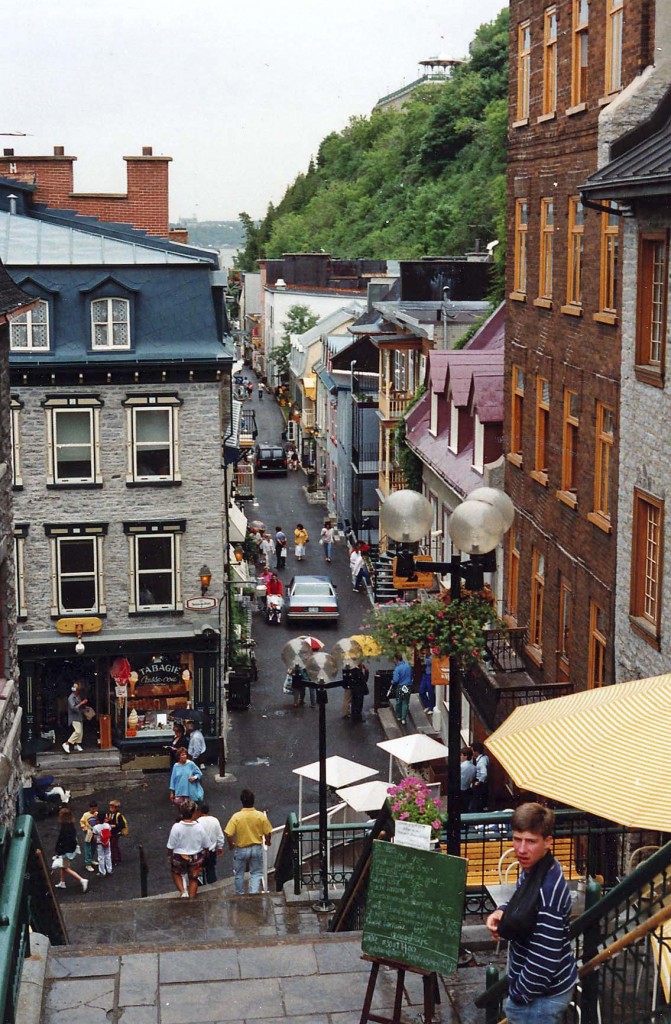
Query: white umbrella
x=367 y=796
x=413 y=749
x=339 y=773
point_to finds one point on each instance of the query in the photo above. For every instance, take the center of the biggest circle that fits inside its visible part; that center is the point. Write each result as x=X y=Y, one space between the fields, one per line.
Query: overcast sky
x=238 y=92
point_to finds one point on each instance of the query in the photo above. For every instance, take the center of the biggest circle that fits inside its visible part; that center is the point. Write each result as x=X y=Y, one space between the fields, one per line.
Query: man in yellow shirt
x=245 y=833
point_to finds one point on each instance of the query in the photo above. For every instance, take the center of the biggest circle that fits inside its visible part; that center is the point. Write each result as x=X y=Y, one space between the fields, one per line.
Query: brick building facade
x=570 y=63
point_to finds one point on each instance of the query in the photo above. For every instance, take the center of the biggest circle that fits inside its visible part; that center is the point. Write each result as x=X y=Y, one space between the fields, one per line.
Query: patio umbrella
x=369 y=647
x=315 y=644
x=339 y=772
x=591 y=750
x=413 y=749
x=367 y=796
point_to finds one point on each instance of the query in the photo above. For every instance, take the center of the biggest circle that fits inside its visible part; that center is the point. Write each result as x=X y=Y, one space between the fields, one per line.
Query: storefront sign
x=83 y=624
x=201 y=604
x=440 y=670
x=160 y=672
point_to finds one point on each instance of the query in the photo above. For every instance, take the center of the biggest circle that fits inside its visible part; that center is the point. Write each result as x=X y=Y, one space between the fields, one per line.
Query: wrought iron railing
x=495 y=699
x=631 y=983
x=505 y=648
x=27 y=903
x=298 y=854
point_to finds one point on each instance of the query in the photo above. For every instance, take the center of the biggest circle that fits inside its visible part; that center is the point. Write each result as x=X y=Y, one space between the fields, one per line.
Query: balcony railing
x=391 y=480
x=308 y=419
x=495 y=695
x=392 y=404
x=365 y=458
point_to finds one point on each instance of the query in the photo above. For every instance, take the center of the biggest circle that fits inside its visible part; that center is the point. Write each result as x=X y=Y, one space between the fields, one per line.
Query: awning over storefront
x=237 y=524
x=50 y=642
x=310 y=387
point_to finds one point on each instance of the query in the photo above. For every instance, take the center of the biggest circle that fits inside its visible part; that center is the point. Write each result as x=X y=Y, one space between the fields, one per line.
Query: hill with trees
x=427 y=180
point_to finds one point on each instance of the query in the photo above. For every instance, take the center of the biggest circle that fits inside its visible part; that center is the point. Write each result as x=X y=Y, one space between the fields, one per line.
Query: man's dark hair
x=247 y=798
x=467 y=752
x=478 y=748
x=187 y=809
x=533 y=818
x=203 y=808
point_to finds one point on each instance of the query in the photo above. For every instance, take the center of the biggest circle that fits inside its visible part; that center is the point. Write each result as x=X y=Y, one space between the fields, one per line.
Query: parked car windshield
x=305 y=589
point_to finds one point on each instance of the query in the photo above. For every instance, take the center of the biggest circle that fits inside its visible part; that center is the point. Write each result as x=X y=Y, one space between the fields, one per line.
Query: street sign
x=201 y=604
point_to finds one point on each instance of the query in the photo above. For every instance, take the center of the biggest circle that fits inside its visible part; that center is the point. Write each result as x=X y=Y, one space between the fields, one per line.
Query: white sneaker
x=66 y=798
x=66 y=747
x=77 y=747
x=89 y=867
x=60 y=885
x=85 y=884
x=184 y=895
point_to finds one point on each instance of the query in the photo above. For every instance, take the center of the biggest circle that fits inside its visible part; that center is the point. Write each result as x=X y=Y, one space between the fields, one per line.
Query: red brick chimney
x=144 y=204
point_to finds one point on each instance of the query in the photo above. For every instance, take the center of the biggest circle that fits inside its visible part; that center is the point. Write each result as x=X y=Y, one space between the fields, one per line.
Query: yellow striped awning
x=605 y=751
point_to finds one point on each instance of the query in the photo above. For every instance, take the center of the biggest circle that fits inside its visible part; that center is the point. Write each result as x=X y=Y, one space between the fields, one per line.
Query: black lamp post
x=476 y=527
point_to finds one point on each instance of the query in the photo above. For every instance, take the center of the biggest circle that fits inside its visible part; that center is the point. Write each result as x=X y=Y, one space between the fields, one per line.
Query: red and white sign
x=201 y=604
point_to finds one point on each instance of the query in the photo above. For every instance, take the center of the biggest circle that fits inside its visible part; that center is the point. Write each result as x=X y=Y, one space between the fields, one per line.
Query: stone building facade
x=571 y=62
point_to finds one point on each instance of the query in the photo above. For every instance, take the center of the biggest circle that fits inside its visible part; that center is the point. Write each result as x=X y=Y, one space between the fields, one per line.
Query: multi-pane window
x=73 y=440
x=15 y=406
x=520 y=260
x=610 y=240
x=596 y=670
x=579 y=52
x=542 y=427
x=523 y=70
x=614 y=12
x=537 y=594
x=20 y=534
x=110 y=323
x=155 y=566
x=565 y=630
x=30 y=330
x=605 y=429
x=576 y=232
x=646 y=565
x=569 y=476
x=76 y=568
x=547 y=249
x=512 y=602
x=651 y=304
x=152 y=426
x=550 y=61
x=517 y=412
x=400 y=371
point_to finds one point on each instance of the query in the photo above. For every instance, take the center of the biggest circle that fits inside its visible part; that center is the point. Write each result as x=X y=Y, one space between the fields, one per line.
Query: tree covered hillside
x=427 y=180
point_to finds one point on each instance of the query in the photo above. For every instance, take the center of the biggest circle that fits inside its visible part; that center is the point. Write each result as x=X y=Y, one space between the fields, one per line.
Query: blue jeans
x=248 y=858
x=546 y=1010
x=427 y=694
x=327 y=551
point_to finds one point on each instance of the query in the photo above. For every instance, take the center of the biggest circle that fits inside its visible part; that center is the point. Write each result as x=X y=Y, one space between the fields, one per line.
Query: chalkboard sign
x=414 y=907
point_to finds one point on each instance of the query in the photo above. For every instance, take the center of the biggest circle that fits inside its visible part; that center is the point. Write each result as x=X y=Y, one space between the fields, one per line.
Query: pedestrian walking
x=267 y=549
x=359 y=569
x=187 y=843
x=75 y=718
x=185 y=779
x=67 y=848
x=401 y=687
x=480 y=785
x=215 y=841
x=261 y=390
x=102 y=831
x=250 y=388
x=292 y=455
x=280 y=548
x=197 y=746
x=359 y=689
x=245 y=832
x=86 y=822
x=179 y=741
x=542 y=971
x=300 y=539
x=119 y=827
x=326 y=538
x=427 y=693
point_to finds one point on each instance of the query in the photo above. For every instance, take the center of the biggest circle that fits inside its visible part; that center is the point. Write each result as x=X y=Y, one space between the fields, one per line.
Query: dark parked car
x=270 y=459
x=311 y=597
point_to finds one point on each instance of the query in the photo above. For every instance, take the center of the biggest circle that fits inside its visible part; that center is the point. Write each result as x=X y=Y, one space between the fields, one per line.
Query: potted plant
x=411 y=801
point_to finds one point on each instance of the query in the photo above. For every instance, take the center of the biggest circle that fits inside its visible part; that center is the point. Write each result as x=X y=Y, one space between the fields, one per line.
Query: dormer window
x=30 y=330
x=478 y=445
x=453 y=443
x=110 y=324
x=433 y=423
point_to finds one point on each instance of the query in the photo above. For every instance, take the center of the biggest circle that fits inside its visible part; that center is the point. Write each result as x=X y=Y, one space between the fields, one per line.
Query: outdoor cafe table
x=502 y=893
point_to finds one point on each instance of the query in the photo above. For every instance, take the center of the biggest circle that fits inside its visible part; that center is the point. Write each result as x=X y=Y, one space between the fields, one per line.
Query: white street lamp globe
x=321 y=667
x=406 y=516
x=498 y=499
x=295 y=653
x=347 y=652
x=476 y=528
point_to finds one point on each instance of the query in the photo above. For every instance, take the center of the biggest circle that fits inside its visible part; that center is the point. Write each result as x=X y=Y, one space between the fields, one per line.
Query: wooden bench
x=483 y=859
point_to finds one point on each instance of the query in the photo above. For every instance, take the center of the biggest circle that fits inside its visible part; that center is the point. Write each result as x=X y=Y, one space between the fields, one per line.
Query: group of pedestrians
x=474 y=778
x=101 y=830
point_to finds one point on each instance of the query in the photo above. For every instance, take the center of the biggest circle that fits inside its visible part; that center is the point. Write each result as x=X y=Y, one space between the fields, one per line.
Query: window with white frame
x=73 y=440
x=152 y=431
x=15 y=406
x=110 y=323
x=453 y=443
x=30 y=330
x=20 y=534
x=77 y=585
x=155 y=566
x=400 y=371
x=433 y=422
x=478 y=445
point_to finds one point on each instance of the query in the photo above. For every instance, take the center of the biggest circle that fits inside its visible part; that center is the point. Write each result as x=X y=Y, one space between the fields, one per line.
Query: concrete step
x=57 y=760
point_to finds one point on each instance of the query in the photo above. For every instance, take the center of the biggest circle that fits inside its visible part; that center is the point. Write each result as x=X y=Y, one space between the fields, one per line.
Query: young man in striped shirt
x=542 y=970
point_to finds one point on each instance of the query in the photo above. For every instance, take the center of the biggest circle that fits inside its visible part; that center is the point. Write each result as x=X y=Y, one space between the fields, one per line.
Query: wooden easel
x=430 y=985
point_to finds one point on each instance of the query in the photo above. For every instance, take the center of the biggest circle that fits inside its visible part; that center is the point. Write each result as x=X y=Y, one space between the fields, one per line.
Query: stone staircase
x=383 y=585
x=89 y=771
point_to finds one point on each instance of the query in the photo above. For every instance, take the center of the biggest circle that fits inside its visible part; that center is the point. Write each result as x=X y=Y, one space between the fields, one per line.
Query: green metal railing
x=27 y=901
x=631 y=985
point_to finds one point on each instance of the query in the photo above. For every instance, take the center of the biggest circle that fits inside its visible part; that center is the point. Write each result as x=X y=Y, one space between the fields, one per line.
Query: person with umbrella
x=542 y=970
